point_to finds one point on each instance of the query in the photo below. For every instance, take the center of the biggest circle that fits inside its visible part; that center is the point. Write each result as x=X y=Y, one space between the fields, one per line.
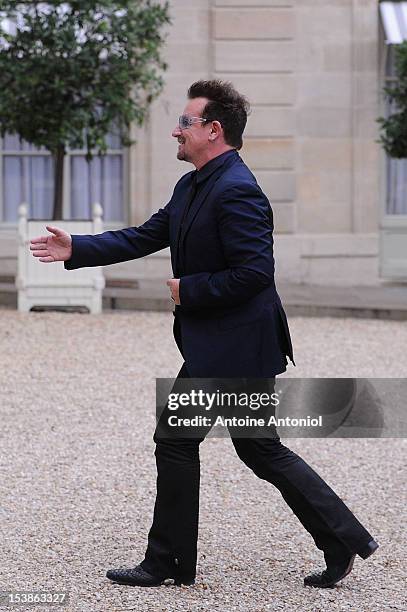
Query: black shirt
x=198 y=179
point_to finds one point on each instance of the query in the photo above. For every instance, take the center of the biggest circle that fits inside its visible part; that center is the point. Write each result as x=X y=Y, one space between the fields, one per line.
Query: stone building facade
x=313 y=71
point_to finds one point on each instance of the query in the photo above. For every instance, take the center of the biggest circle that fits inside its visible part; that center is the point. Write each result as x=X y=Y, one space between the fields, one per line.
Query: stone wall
x=310 y=70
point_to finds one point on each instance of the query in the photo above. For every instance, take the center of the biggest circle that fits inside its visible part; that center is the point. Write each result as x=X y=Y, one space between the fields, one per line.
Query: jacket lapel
x=196 y=205
x=177 y=230
x=199 y=200
x=203 y=194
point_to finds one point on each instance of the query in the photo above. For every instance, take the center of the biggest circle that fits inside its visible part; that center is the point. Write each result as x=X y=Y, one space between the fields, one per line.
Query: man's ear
x=215 y=131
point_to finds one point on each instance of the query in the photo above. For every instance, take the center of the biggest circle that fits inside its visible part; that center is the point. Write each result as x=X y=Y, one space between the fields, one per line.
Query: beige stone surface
x=254 y=56
x=284 y=217
x=234 y=23
x=279 y=3
x=190 y=22
x=271 y=121
x=323 y=90
x=320 y=122
x=267 y=153
x=309 y=187
x=278 y=186
x=326 y=26
x=310 y=139
x=324 y=217
x=365 y=90
x=339 y=245
x=325 y=154
x=338 y=271
x=318 y=4
x=337 y=57
x=335 y=184
x=264 y=88
x=326 y=259
x=366 y=186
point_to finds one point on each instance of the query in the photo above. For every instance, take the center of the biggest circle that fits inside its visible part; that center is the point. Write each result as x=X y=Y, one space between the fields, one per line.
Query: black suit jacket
x=231 y=320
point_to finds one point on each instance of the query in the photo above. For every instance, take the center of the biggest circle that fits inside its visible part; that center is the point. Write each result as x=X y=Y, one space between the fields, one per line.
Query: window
x=393 y=222
x=394 y=17
x=396 y=169
x=27 y=176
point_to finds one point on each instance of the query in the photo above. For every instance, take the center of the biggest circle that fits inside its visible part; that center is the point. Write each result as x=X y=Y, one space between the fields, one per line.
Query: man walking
x=229 y=323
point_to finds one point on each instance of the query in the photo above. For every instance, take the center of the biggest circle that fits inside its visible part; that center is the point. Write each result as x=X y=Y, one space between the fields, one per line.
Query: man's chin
x=181 y=155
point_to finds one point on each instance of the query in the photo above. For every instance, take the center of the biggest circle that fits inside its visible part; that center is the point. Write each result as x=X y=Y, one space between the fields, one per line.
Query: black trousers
x=172 y=540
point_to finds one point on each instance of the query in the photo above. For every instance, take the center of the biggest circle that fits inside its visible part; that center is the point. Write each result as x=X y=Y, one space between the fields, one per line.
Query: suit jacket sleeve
x=121 y=245
x=245 y=227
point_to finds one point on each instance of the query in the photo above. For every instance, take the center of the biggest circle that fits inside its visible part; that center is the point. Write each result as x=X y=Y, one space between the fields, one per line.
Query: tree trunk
x=59 y=156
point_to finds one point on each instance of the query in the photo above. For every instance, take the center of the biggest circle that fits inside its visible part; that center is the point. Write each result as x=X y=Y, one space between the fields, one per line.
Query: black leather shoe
x=137 y=576
x=337 y=570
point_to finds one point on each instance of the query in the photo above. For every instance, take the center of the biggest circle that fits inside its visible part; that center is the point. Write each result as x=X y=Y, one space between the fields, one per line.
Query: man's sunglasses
x=185 y=121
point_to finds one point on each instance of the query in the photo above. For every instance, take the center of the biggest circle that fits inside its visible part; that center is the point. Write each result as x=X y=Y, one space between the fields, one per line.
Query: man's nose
x=176 y=131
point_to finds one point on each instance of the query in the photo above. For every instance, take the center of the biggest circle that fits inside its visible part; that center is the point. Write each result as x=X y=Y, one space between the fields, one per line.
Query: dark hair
x=225 y=105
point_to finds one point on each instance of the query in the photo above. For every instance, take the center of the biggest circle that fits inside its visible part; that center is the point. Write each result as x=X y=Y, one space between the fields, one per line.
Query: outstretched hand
x=56 y=246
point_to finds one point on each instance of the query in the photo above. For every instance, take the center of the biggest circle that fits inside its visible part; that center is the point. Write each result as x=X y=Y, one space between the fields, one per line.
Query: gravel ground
x=78 y=473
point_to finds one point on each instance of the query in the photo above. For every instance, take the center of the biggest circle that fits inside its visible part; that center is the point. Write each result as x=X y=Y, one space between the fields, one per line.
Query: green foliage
x=394 y=127
x=72 y=71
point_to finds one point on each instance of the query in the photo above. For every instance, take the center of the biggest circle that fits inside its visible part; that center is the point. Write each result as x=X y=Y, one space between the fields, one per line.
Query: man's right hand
x=56 y=246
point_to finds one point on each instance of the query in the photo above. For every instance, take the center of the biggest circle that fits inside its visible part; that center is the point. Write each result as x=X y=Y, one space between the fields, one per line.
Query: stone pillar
x=255 y=48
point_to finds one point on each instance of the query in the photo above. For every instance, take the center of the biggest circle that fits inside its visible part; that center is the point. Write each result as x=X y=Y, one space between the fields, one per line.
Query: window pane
x=97 y=181
x=28 y=179
x=11 y=142
x=396 y=197
x=113 y=141
x=396 y=186
x=390 y=63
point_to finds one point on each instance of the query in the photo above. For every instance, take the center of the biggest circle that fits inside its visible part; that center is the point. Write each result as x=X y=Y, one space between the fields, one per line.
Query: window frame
x=66 y=198
x=388 y=220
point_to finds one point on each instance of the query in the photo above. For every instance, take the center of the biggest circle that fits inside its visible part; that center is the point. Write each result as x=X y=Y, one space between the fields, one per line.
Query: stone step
x=8 y=292
x=386 y=301
x=7 y=282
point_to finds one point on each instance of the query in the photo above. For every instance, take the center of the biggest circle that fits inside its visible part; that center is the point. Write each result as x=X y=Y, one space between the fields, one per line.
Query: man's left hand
x=173 y=284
